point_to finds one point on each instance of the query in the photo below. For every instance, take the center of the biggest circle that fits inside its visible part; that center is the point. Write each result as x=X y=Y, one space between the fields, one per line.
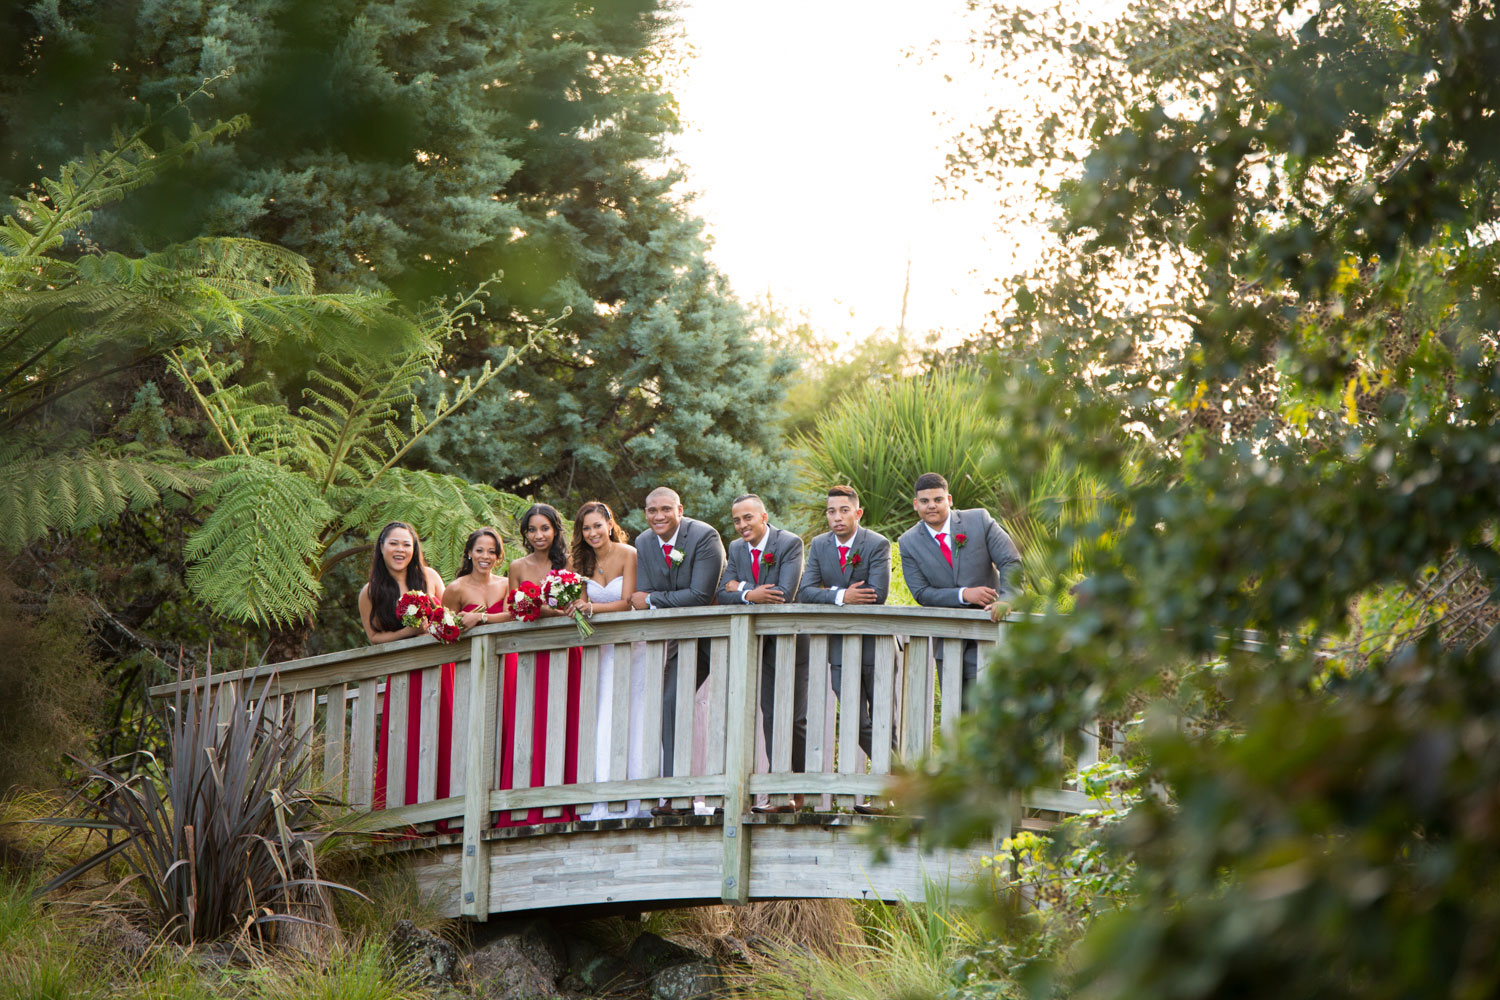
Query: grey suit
x=985 y=558
x=784 y=550
x=821 y=584
x=688 y=584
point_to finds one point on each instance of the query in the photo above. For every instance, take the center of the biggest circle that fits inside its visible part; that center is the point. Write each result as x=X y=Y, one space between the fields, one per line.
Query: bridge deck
x=515 y=697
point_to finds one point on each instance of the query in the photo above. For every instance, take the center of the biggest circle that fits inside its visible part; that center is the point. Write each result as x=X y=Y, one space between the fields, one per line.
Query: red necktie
x=666 y=553
x=843 y=555
x=947 y=552
x=755 y=564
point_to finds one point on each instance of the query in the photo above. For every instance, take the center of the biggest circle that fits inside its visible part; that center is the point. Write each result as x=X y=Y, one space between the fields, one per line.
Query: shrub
x=220 y=841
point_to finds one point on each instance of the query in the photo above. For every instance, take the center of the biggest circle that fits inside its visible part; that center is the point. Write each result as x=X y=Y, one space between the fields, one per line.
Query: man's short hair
x=929 y=481
x=748 y=496
x=841 y=490
x=663 y=491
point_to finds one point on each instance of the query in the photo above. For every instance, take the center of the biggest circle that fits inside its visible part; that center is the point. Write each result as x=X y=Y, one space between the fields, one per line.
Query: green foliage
x=1322 y=396
x=221 y=839
x=52 y=689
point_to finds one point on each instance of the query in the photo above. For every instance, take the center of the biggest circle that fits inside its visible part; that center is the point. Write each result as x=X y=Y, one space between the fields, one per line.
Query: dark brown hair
x=840 y=490
x=929 y=481
x=384 y=590
x=557 y=555
x=474 y=537
x=585 y=560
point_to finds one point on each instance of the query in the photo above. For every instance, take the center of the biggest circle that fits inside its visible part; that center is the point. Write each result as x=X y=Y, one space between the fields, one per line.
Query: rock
x=604 y=973
x=688 y=981
x=652 y=953
x=434 y=960
x=523 y=964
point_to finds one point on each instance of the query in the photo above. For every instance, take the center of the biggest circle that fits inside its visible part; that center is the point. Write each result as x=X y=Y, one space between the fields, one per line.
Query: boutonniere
x=854 y=559
x=767 y=559
x=958 y=541
x=676 y=557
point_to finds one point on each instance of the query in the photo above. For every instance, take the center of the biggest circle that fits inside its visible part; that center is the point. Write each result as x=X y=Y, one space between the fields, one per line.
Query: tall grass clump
x=39 y=958
x=219 y=838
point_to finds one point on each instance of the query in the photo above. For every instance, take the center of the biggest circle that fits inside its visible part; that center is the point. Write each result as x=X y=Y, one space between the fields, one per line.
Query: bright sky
x=815 y=133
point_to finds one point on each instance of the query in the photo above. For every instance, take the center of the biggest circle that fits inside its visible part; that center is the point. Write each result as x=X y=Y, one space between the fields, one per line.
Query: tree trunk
x=289 y=642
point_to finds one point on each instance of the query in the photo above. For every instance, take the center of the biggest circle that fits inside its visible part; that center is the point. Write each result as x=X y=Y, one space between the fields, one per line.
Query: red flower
x=767 y=559
x=854 y=559
x=958 y=540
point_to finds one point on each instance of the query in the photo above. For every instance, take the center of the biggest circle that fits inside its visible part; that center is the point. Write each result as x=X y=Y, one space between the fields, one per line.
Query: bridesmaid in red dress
x=397 y=567
x=477 y=596
x=542 y=537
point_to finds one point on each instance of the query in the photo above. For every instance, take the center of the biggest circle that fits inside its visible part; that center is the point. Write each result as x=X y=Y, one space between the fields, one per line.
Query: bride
x=607 y=564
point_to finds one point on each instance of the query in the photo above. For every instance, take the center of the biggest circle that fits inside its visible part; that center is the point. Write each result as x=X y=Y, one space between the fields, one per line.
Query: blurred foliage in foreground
x=1277 y=262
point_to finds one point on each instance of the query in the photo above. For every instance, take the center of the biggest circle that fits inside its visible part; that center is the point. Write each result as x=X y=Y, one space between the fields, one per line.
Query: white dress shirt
x=947 y=525
x=760 y=547
x=669 y=543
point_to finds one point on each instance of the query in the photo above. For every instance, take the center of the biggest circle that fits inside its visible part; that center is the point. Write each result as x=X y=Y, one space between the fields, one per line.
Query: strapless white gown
x=635 y=766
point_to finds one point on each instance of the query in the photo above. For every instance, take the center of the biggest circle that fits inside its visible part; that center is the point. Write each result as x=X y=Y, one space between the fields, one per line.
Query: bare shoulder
x=364 y=594
x=434 y=578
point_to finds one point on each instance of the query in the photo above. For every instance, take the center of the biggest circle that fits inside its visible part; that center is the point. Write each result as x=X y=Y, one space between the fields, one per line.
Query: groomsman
x=765 y=567
x=956 y=559
x=678 y=565
x=849 y=565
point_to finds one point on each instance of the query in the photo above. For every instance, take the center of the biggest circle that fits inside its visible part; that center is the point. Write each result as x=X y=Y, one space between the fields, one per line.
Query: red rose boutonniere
x=854 y=559
x=767 y=559
x=958 y=541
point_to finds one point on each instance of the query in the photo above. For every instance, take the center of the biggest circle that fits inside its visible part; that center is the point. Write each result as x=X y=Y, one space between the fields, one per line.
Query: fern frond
x=80 y=488
x=253 y=557
x=443 y=509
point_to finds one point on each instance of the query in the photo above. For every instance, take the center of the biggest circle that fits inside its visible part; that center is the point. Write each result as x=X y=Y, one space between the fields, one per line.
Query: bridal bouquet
x=526 y=602
x=419 y=610
x=563 y=587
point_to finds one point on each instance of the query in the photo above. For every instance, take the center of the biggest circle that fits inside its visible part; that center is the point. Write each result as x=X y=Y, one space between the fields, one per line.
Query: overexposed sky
x=815 y=133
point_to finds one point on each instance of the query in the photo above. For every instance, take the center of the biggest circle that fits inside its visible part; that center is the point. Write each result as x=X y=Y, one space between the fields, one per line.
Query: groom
x=678 y=565
x=957 y=559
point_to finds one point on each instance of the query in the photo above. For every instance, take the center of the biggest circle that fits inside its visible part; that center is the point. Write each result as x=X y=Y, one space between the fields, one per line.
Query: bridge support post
x=474 y=873
x=739 y=757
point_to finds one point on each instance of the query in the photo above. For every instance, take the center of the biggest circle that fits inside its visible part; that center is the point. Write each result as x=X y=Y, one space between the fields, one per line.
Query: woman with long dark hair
x=542 y=538
x=396 y=568
x=603 y=558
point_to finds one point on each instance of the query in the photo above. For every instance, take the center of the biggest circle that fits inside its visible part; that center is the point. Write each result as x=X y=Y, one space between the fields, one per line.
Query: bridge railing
x=416 y=696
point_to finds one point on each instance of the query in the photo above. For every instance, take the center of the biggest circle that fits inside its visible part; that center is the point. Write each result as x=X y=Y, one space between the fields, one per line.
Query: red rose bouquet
x=562 y=588
x=419 y=610
x=526 y=602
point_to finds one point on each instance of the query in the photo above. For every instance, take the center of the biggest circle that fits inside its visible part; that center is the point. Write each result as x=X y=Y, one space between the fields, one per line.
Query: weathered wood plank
x=526 y=668
x=557 y=721
x=362 y=746
x=849 y=698
x=685 y=695
x=335 y=711
x=739 y=757
x=916 y=721
x=842 y=785
x=718 y=689
x=397 y=735
x=588 y=716
x=781 y=707
x=458 y=758
x=304 y=721
x=620 y=720
x=817 y=700
x=432 y=696
x=482 y=705
x=953 y=679
x=882 y=710
x=655 y=665
x=551 y=796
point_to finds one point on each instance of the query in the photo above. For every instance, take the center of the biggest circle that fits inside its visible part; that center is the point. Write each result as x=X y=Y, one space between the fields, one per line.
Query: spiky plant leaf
x=252 y=558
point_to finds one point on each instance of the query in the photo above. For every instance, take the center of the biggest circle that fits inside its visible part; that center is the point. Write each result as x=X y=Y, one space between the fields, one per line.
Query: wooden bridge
x=732 y=855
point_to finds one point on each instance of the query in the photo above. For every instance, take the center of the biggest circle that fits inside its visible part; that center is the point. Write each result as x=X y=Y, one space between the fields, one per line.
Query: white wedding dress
x=635 y=766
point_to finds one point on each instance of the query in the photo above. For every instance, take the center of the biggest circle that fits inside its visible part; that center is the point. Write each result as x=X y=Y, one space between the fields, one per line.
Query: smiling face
x=397 y=550
x=663 y=513
x=932 y=507
x=843 y=517
x=539 y=533
x=484 y=553
x=596 y=529
x=750 y=519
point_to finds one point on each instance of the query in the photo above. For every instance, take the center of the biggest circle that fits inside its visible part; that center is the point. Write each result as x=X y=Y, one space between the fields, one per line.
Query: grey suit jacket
x=785 y=570
x=824 y=577
x=690 y=583
x=987 y=558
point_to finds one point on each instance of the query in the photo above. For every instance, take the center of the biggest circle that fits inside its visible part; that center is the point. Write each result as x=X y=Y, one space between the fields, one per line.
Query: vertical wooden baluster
x=883 y=711
x=304 y=723
x=739 y=756
x=397 y=739
x=588 y=717
x=526 y=667
x=851 y=681
x=817 y=700
x=334 y=716
x=432 y=697
x=718 y=689
x=557 y=724
x=781 y=709
x=620 y=720
x=687 y=689
x=362 y=747
x=482 y=704
x=916 y=718
x=656 y=663
x=953 y=679
x=458 y=758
